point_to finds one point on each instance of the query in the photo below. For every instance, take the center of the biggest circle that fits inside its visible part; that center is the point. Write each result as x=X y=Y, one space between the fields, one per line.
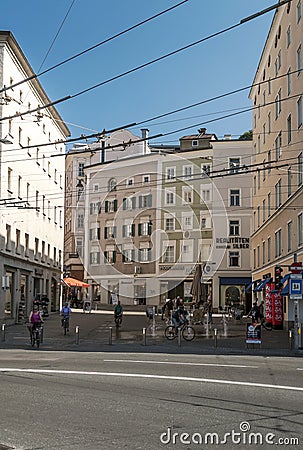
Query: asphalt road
x=66 y=400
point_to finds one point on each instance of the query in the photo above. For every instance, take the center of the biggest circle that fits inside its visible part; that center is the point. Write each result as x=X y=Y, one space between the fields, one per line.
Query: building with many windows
x=156 y=216
x=31 y=187
x=107 y=149
x=277 y=234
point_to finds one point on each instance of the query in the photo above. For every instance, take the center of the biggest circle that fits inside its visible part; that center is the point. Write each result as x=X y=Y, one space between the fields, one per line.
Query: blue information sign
x=295 y=287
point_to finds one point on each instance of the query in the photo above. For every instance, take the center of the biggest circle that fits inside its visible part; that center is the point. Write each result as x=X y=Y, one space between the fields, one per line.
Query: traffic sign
x=295 y=287
x=296 y=267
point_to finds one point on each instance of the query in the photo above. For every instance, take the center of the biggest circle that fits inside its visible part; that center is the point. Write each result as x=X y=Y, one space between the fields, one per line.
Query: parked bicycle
x=187 y=332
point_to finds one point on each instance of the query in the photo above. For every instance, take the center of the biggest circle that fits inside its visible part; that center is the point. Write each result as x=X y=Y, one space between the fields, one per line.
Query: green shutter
x=149 y=200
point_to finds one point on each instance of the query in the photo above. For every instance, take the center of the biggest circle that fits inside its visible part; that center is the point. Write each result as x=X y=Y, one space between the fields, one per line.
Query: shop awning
x=285 y=278
x=73 y=282
x=248 y=288
x=262 y=284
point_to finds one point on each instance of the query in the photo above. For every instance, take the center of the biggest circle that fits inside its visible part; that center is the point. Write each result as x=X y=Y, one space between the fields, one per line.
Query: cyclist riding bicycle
x=35 y=319
x=118 y=310
x=179 y=316
x=65 y=313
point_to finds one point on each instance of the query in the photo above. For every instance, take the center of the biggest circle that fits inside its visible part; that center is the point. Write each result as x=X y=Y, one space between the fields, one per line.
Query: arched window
x=232 y=296
x=112 y=183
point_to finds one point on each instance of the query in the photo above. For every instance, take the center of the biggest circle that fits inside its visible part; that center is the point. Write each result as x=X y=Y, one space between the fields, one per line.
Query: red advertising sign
x=277 y=311
x=268 y=302
x=296 y=267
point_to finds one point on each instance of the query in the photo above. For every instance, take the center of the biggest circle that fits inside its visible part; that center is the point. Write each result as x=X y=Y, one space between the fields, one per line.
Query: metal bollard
x=216 y=337
x=144 y=336
x=179 y=337
x=77 y=330
x=3 y=331
x=110 y=340
x=290 y=339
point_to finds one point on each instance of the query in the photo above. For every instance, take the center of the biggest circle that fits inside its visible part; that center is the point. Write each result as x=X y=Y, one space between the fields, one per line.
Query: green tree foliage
x=247 y=136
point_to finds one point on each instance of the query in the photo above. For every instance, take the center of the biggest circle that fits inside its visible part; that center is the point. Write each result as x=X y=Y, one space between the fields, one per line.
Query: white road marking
x=148 y=376
x=299 y=369
x=180 y=363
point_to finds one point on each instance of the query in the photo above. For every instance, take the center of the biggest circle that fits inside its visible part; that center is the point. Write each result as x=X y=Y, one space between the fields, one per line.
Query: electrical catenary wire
x=124 y=144
x=160 y=58
x=99 y=134
x=221 y=173
x=55 y=38
x=4 y=89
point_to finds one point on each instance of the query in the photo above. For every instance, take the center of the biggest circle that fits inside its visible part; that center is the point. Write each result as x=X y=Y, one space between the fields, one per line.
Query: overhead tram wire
x=218 y=97
x=217 y=174
x=93 y=47
x=186 y=47
x=53 y=41
x=55 y=38
x=167 y=55
x=132 y=142
x=158 y=116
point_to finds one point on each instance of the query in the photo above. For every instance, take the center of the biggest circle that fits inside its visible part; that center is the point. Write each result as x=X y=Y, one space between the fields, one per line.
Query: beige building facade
x=153 y=218
x=277 y=228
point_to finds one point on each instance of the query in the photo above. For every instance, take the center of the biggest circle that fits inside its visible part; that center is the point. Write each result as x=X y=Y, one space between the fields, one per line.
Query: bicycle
x=118 y=320
x=187 y=331
x=65 y=324
x=266 y=325
x=37 y=335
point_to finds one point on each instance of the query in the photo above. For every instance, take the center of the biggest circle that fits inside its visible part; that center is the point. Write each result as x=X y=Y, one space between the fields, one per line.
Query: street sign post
x=295 y=294
x=296 y=267
x=295 y=286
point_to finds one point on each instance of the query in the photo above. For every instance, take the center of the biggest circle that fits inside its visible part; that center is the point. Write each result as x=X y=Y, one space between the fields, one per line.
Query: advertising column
x=277 y=310
x=268 y=302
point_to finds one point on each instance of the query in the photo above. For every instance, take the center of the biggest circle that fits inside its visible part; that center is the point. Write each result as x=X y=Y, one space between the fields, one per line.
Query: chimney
x=144 y=135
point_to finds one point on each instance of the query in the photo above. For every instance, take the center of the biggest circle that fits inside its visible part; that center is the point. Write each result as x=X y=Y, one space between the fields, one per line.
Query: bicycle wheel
x=170 y=332
x=188 y=333
x=267 y=326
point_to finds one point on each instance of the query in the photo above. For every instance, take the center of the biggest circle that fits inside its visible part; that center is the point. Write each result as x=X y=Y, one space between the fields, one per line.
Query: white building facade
x=31 y=188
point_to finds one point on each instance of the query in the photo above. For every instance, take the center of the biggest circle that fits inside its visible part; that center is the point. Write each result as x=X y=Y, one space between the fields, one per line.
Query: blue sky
x=209 y=69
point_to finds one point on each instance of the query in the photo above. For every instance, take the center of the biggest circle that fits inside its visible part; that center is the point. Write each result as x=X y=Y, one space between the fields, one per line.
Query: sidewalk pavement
x=97 y=332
